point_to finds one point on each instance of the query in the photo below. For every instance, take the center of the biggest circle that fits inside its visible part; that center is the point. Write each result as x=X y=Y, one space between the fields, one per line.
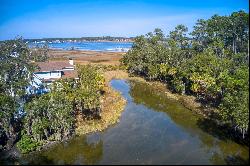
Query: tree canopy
x=39 y=119
x=211 y=64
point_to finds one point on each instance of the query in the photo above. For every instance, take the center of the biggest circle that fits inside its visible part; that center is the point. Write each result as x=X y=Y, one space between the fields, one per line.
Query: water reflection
x=153 y=129
x=214 y=139
x=75 y=151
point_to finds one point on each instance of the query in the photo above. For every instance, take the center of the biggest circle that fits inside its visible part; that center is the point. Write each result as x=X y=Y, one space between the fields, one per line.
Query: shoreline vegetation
x=72 y=107
x=213 y=66
x=112 y=100
x=188 y=101
x=208 y=76
x=112 y=105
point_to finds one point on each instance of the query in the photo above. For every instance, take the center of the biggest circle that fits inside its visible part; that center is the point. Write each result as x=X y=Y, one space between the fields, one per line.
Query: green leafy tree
x=212 y=66
x=52 y=116
x=88 y=92
x=15 y=75
x=40 y=54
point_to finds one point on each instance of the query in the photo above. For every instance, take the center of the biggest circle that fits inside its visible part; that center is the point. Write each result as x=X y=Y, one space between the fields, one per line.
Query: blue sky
x=78 y=18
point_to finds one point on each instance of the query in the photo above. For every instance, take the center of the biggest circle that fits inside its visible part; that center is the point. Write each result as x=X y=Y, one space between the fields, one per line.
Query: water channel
x=153 y=129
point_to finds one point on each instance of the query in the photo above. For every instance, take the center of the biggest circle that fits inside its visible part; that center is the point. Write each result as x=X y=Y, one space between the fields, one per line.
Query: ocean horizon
x=87 y=46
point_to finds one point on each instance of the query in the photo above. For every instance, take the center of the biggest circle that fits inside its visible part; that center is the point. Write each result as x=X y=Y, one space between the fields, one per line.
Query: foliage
x=49 y=117
x=40 y=54
x=146 y=50
x=212 y=65
x=15 y=75
x=232 y=33
x=41 y=118
x=235 y=104
x=89 y=87
x=52 y=116
x=26 y=144
x=90 y=78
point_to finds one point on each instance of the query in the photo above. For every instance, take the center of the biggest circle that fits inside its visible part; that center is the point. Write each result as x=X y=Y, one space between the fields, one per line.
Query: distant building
x=49 y=72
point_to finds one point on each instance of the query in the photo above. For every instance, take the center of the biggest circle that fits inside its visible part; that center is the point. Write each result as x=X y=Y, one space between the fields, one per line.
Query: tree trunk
x=11 y=136
x=233 y=44
x=247 y=50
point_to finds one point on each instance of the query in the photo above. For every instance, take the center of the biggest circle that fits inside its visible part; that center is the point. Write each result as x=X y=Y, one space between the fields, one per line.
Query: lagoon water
x=153 y=129
x=89 y=46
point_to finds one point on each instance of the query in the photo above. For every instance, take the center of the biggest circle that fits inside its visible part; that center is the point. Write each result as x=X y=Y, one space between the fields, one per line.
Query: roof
x=70 y=74
x=52 y=65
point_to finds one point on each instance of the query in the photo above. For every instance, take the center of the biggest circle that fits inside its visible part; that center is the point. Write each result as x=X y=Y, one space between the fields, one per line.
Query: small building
x=49 y=72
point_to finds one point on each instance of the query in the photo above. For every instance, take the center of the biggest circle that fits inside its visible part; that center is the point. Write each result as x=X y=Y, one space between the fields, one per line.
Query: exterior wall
x=36 y=82
x=48 y=75
x=37 y=86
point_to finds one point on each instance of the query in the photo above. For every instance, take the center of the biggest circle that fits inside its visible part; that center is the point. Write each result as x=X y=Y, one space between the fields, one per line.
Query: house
x=49 y=72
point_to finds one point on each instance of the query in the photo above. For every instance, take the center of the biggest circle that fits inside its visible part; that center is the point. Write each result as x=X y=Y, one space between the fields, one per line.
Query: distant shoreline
x=98 y=46
x=95 y=41
x=84 y=39
x=99 y=51
x=78 y=50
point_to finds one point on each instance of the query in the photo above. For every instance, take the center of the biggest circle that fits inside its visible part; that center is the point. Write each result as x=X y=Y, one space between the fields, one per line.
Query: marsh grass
x=112 y=105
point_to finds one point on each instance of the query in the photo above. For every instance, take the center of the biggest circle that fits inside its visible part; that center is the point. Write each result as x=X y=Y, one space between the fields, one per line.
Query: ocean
x=88 y=46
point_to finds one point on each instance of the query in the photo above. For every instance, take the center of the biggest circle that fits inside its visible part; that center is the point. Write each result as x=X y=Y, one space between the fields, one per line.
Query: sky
x=127 y=18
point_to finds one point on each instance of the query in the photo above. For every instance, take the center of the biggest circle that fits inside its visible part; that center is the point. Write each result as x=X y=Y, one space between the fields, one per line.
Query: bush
x=178 y=86
x=27 y=144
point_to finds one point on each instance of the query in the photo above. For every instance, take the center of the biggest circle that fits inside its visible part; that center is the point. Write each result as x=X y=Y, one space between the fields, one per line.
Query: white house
x=49 y=72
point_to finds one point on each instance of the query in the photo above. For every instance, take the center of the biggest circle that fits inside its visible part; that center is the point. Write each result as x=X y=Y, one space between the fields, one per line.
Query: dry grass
x=187 y=101
x=112 y=105
x=84 y=57
x=115 y=74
